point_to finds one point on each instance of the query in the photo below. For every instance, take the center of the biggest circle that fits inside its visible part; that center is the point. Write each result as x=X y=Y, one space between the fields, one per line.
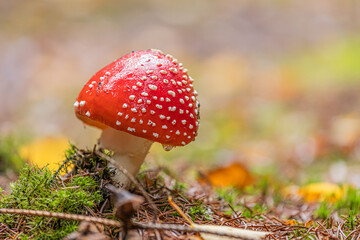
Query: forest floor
x=263 y=204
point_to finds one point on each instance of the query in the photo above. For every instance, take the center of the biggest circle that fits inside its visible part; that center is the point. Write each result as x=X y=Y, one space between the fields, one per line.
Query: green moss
x=40 y=189
x=199 y=211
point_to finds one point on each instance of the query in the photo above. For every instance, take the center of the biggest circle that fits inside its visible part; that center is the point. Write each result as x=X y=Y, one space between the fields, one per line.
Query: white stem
x=129 y=152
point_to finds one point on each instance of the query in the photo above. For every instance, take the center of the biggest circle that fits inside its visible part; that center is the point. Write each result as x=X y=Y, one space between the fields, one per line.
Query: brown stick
x=113 y=223
x=66 y=216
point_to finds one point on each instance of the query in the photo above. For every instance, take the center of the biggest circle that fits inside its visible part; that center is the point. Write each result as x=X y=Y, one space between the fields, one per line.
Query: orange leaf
x=233 y=175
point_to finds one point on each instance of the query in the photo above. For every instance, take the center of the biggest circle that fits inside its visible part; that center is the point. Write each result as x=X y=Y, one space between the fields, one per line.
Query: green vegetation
x=9 y=157
x=40 y=189
x=349 y=206
x=200 y=211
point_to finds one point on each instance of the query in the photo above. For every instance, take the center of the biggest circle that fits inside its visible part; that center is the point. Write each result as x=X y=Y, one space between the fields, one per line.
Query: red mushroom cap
x=145 y=93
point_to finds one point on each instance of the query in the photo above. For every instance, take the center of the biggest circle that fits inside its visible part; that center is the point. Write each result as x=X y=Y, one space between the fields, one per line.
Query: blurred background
x=278 y=81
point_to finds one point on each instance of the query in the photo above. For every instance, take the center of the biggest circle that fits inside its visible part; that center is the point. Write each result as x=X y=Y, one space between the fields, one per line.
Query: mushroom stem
x=129 y=152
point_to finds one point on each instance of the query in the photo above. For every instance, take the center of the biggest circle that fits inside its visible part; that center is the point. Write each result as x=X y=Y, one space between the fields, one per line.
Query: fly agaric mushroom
x=141 y=98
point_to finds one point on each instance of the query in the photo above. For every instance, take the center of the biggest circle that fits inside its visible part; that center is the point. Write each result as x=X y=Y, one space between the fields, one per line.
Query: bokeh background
x=278 y=81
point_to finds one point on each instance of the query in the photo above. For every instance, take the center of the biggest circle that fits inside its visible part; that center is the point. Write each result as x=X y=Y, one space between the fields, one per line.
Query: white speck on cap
x=87 y=113
x=143 y=110
x=183 y=122
x=82 y=103
x=162 y=117
x=124 y=105
x=177 y=132
x=76 y=104
x=191 y=126
x=181 y=101
x=133 y=120
x=120 y=114
x=131 y=129
x=145 y=94
x=173 y=122
x=152 y=87
x=173 y=70
x=132 y=97
x=156 y=135
x=134 y=110
x=164 y=127
x=172 y=93
x=152 y=112
x=118 y=123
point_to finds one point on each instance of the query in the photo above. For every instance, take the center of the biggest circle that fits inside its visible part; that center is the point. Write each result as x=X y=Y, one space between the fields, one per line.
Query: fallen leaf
x=47 y=151
x=291 y=222
x=316 y=192
x=308 y=223
x=233 y=175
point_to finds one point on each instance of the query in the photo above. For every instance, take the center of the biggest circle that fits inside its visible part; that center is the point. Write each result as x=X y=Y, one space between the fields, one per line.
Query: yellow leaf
x=308 y=223
x=233 y=175
x=291 y=222
x=321 y=191
x=48 y=151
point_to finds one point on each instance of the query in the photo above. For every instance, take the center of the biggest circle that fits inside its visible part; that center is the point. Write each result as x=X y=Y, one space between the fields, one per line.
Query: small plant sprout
x=141 y=98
